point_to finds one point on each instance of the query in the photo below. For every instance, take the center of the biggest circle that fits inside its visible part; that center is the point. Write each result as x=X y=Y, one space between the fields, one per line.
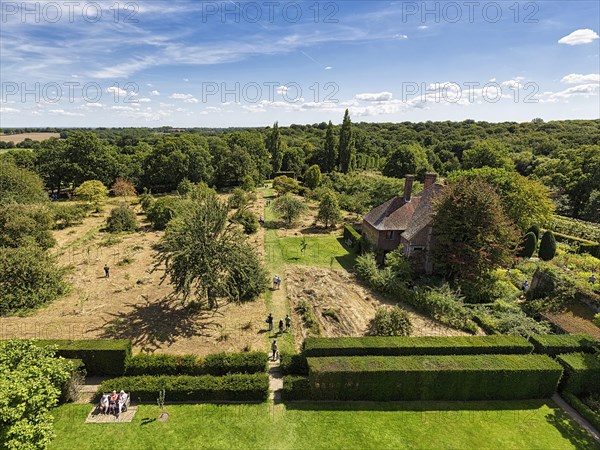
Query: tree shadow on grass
x=163 y=321
x=346 y=261
x=570 y=430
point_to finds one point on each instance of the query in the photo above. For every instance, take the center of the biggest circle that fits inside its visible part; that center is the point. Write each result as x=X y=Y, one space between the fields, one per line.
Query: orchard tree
x=31 y=377
x=289 y=208
x=283 y=185
x=93 y=192
x=329 y=156
x=472 y=234
x=123 y=188
x=329 y=209
x=206 y=257
x=347 y=149
x=312 y=177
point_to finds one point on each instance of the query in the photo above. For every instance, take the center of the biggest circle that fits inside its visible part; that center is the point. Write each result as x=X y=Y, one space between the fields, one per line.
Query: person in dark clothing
x=274 y=349
x=106 y=271
x=270 y=321
x=288 y=322
x=280 y=326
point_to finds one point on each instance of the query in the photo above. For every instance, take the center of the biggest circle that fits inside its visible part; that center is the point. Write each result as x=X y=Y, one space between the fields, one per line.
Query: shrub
x=592 y=249
x=238 y=199
x=19 y=185
x=391 y=322
x=547 y=246
x=284 y=184
x=312 y=177
x=146 y=201
x=123 y=188
x=535 y=230
x=67 y=215
x=352 y=236
x=93 y=192
x=99 y=356
x=185 y=187
x=582 y=372
x=29 y=277
x=528 y=245
x=554 y=344
x=596 y=320
x=216 y=364
x=162 y=211
x=296 y=388
x=446 y=307
x=22 y=225
x=122 y=218
x=247 y=219
x=184 y=388
x=463 y=377
x=289 y=208
x=588 y=413
x=422 y=345
x=550 y=290
x=293 y=363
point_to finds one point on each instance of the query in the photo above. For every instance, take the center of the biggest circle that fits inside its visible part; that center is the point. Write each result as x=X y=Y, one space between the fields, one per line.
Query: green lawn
x=475 y=425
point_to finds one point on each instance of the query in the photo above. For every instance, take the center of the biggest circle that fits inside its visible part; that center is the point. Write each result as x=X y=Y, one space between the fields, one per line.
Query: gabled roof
x=398 y=215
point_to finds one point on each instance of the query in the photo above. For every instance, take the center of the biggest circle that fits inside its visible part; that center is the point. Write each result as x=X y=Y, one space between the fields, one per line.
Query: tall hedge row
x=463 y=377
x=426 y=345
x=296 y=388
x=216 y=364
x=554 y=344
x=582 y=372
x=293 y=364
x=99 y=356
x=184 y=388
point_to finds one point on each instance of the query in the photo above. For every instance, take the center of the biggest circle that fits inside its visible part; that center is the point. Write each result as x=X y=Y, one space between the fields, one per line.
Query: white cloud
x=579 y=37
x=187 y=98
x=282 y=90
x=9 y=110
x=155 y=93
x=401 y=36
x=144 y=100
x=578 y=78
x=374 y=97
x=118 y=92
x=328 y=68
x=585 y=90
x=422 y=27
x=93 y=105
x=186 y=79
x=62 y=112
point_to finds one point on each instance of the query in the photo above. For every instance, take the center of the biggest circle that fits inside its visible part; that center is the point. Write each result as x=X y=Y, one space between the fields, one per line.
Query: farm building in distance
x=405 y=221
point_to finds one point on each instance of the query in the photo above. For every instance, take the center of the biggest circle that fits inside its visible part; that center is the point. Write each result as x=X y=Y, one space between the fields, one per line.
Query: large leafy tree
x=407 y=159
x=253 y=144
x=289 y=207
x=22 y=225
x=312 y=177
x=524 y=200
x=91 y=191
x=20 y=185
x=283 y=185
x=207 y=258
x=347 y=149
x=489 y=153
x=275 y=147
x=329 y=155
x=90 y=159
x=329 y=209
x=52 y=164
x=472 y=234
x=30 y=385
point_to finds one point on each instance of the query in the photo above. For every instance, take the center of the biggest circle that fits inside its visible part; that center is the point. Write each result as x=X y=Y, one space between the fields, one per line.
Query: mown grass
x=532 y=424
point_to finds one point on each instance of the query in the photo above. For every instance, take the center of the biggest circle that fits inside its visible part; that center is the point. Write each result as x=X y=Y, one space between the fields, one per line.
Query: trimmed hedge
x=184 y=388
x=100 y=356
x=293 y=364
x=464 y=377
x=554 y=344
x=353 y=235
x=216 y=364
x=582 y=372
x=592 y=249
x=296 y=388
x=422 y=345
x=588 y=413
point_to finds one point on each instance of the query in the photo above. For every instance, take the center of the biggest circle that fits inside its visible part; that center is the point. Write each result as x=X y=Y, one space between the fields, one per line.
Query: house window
x=418 y=249
x=389 y=235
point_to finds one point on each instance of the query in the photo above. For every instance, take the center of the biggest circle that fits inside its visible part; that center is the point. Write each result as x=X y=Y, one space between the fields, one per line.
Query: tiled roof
x=423 y=214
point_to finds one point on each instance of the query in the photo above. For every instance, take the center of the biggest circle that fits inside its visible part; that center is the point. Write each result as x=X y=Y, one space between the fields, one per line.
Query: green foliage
x=550 y=290
x=92 y=191
x=248 y=184
x=67 y=215
x=471 y=231
x=597 y=320
x=329 y=209
x=535 y=230
x=406 y=160
x=487 y=154
x=239 y=199
x=307 y=315
x=185 y=187
x=20 y=185
x=216 y=364
x=29 y=277
x=584 y=230
x=296 y=388
x=391 y=322
x=30 y=385
x=329 y=154
x=274 y=146
x=421 y=345
x=146 y=201
x=123 y=188
x=509 y=319
x=582 y=372
x=289 y=208
x=547 y=246
x=23 y=225
x=312 y=177
x=351 y=235
x=554 y=344
x=446 y=307
x=162 y=210
x=283 y=185
x=122 y=218
x=207 y=258
x=588 y=413
x=247 y=219
x=448 y=377
x=346 y=148
x=528 y=245
x=184 y=388
x=99 y=356
x=293 y=363
x=591 y=211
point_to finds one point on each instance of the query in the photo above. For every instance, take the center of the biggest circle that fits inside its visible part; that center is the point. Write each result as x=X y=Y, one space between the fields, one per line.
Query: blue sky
x=219 y=64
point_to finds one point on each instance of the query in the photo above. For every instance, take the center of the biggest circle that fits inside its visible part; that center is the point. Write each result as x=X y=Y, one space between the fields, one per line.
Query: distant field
x=16 y=138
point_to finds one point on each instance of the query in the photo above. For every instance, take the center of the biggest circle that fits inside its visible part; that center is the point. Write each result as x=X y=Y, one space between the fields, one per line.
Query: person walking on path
x=592 y=278
x=274 y=349
x=281 y=327
x=275 y=278
x=270 y=321
x=277 y=282
x=106 y=271
x=288 y=322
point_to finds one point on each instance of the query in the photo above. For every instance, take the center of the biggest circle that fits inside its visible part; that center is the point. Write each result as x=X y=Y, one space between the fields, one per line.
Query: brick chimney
x=430 y=179
x=408 y=185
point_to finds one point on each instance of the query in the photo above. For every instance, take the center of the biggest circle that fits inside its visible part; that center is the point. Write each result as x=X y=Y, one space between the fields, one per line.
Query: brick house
x=404 y=221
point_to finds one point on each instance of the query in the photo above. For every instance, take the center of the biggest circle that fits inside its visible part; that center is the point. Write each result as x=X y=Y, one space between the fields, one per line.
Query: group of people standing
x=288 y=323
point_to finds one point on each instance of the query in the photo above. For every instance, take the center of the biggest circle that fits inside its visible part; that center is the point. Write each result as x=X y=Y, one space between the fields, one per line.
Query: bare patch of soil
x=18 y=138
x=343 y=307
x=576 y=318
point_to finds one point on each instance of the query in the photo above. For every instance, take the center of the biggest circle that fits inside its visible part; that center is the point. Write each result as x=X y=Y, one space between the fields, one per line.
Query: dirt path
x=275 y=381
